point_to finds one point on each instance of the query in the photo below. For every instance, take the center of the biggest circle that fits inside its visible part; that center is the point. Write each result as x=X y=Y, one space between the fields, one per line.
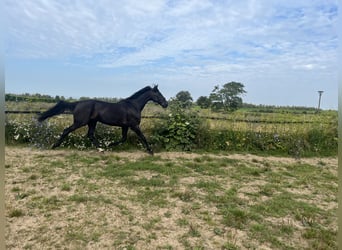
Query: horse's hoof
x=101 y=150
x=150 y=152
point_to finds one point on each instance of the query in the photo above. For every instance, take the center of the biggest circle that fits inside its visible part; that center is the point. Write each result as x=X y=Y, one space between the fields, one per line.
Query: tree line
x=227 y=97
x=50 y=99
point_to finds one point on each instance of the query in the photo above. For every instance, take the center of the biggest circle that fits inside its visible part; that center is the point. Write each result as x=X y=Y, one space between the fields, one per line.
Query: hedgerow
x=182 y=130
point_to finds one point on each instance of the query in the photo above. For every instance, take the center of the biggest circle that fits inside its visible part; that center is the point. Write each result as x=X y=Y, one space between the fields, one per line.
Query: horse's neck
x=141 y=101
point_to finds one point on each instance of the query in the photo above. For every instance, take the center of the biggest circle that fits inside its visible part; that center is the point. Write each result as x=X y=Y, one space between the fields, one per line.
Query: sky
x=282 y=51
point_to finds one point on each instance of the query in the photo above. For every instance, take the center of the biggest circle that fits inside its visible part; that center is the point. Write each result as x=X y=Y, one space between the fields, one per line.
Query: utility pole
x=320 y=92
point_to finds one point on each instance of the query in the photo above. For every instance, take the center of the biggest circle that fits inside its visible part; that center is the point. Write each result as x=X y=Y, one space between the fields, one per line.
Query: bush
x=180 y=130
x=44 y=135
x=41 y=135
x=311 y=142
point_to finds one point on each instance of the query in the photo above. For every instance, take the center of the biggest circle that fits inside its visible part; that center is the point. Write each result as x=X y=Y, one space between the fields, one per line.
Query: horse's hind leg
x=91 y=132
x=65 y=134
x=123 y=139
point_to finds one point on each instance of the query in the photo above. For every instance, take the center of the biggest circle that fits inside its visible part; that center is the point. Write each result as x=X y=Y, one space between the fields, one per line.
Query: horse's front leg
x=123 y=139
x=142 y=137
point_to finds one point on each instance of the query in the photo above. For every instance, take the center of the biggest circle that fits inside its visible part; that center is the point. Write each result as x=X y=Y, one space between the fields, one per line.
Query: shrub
x=297 y=144
x=180 y=130
x=43 y=135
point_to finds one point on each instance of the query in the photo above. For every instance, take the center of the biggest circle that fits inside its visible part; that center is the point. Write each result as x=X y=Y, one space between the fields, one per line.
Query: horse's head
x=158 y=97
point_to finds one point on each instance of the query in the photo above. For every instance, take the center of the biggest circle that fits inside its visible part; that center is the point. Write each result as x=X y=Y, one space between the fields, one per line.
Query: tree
x=204 y=102
x=184 y=98
x=227 y=97
x=216 y=99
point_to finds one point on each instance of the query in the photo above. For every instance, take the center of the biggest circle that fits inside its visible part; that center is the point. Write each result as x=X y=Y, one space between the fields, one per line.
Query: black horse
x=125 y=113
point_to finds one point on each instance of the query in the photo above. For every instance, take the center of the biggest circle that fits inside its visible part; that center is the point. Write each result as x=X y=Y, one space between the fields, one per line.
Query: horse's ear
x=155 y=87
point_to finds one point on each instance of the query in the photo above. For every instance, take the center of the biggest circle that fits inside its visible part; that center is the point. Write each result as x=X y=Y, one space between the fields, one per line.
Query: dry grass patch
x=69 y=199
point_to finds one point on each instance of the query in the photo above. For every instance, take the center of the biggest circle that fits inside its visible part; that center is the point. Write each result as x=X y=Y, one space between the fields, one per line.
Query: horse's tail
x=59 y=108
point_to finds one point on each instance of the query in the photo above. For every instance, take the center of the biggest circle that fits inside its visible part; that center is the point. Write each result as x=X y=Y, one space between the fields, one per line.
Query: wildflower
x=276 y=138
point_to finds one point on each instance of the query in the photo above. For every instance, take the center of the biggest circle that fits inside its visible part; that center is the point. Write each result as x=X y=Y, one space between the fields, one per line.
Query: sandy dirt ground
x=49 y=221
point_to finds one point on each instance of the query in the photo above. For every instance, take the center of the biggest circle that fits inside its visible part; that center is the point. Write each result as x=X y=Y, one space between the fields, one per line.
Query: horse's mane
x=139 y=93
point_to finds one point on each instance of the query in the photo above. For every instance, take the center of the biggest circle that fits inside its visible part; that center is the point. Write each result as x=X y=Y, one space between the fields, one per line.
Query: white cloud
x=158 y=30
x=185 y=8
x=189 y=38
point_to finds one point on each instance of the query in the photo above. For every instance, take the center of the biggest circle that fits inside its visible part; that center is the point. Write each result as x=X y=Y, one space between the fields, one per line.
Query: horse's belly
x=111 y=122
x=117 y=121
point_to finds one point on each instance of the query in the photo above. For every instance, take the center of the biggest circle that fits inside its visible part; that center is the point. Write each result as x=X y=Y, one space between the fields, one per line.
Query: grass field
x=70 y=199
